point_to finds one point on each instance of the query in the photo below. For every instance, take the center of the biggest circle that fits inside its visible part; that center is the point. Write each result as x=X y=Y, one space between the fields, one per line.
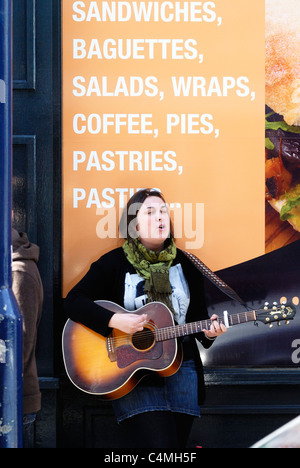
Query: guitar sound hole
x=143 y=339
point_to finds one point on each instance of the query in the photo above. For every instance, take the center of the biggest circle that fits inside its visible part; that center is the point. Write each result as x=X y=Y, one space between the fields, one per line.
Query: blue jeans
x=177 y=393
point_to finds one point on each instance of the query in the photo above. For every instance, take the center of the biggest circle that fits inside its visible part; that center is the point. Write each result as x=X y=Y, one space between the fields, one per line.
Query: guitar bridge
x=111 y=349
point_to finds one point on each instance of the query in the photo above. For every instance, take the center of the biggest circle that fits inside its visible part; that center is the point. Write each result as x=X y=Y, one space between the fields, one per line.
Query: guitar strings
x=165 y=333
x=152 y=330
x=149 y=328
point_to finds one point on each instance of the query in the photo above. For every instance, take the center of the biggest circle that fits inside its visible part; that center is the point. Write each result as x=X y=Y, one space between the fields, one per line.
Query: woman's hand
x=128 y=323
x=216 y=328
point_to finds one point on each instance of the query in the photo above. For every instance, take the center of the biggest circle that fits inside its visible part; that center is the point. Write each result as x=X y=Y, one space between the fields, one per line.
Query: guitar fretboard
x=168 y=333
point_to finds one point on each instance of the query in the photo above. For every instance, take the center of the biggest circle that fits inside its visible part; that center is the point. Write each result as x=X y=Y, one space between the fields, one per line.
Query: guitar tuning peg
x=278 y=323
x=266 y=303
x=295 y=301
x=275 y=303
x=271 y=325
x=287 y=322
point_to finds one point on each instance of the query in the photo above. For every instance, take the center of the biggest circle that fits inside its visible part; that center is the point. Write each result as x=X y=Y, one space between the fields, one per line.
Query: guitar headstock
x=277 y=312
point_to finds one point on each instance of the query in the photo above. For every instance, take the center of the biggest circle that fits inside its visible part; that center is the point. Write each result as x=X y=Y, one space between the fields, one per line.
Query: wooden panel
x=24 y=185
x=234 y=415
x=24 y=44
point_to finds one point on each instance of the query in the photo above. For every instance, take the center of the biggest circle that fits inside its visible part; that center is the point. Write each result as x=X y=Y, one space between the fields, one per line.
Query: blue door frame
x=10 y=318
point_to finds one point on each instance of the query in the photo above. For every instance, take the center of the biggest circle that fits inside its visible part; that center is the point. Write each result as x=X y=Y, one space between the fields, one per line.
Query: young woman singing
x=159 y=411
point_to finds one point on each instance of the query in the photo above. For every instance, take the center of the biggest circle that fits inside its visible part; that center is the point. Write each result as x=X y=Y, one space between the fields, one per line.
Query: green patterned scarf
x=154 y=268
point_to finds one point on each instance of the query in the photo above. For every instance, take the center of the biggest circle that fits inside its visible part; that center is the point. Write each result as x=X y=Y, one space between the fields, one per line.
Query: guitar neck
x=176 y=331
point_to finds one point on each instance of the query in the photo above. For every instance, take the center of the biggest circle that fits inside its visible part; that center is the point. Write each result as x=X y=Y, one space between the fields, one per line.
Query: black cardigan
x=106 y=281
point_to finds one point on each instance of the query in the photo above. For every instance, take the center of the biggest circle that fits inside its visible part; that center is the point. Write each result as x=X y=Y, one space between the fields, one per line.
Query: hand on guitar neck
x=216 y=328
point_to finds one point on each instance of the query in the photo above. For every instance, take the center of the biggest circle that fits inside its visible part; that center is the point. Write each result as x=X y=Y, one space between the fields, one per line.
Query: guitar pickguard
x=127 y=354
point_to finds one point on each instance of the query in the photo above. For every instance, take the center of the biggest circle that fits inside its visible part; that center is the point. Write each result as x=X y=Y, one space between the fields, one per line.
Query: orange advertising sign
x=169 y=95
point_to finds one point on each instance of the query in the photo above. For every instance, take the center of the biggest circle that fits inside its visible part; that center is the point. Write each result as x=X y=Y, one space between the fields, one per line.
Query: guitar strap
x=209 y=274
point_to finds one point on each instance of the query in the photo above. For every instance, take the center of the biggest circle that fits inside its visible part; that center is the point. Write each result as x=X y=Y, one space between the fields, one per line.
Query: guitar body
x=111 y=367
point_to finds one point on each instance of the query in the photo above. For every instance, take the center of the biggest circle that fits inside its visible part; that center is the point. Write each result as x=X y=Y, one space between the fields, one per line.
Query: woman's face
x=153 y=223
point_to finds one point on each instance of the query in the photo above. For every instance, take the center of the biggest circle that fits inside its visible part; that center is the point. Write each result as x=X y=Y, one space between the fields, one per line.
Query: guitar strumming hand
x=129 y=323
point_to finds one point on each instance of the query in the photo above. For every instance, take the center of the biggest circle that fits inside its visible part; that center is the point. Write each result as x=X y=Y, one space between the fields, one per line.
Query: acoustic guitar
x=112 y=366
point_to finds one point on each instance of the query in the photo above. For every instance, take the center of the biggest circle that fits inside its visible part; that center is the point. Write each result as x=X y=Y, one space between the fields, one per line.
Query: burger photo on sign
x=283 y=109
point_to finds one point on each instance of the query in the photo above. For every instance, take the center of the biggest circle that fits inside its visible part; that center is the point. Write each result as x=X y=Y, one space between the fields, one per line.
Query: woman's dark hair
x=128 y=220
